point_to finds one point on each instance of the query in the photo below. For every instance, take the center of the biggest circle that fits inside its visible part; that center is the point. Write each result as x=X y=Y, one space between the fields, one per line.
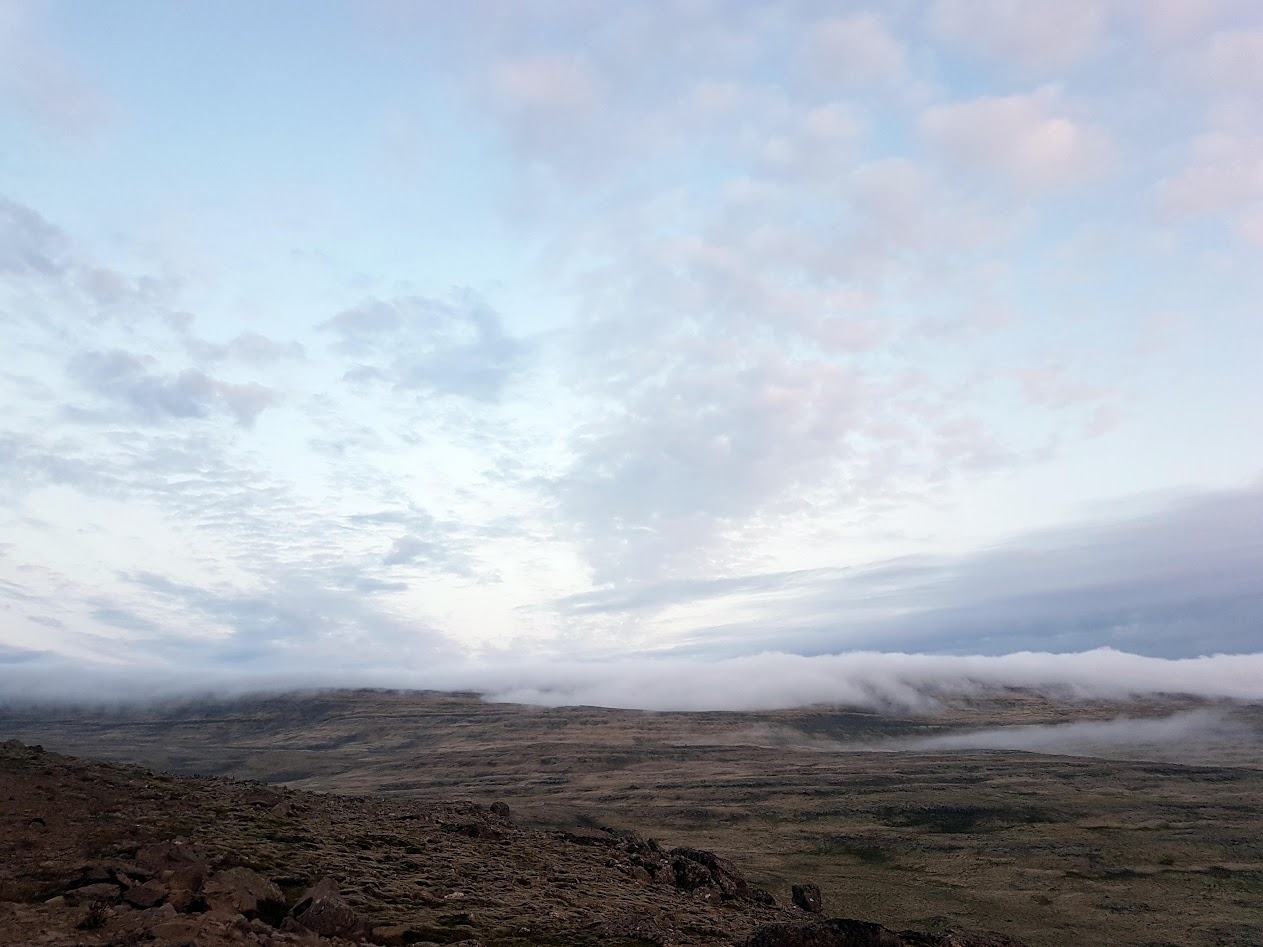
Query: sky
x=382 y=338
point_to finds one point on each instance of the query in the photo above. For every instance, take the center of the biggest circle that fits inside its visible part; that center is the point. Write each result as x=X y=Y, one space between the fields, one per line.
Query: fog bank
x=916 y=683
x=1180 y=734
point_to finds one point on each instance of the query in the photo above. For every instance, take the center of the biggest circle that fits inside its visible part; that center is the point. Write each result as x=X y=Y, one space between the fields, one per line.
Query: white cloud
x=1170 y=21
x=1039 y=37
x=549 y=86
x=821 y=145
x=39 y=79
x=1232 y=62
x=1225 y=172
x=455 y=346
x=131 y=383
x=854 y=50
x=916 y=683
x=1029 y=138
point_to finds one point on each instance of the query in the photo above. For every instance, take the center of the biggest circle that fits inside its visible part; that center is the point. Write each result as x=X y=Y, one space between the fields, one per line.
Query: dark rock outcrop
x=245 y=892
x=322 y=911
x=147 y=895
x=808 y=898
x=696 y=869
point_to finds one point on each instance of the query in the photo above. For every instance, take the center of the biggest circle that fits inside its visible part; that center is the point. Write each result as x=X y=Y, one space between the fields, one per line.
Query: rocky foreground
x=98 y=854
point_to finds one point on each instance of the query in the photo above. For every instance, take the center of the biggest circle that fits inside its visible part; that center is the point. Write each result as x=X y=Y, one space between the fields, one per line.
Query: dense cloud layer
x=1176 y=578
x=906 y=682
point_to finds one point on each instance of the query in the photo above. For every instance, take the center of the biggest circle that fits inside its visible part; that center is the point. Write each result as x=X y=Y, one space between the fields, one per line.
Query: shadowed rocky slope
x=96 y=854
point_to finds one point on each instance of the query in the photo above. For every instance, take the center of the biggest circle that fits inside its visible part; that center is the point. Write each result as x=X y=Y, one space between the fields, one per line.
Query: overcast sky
x=381 y=334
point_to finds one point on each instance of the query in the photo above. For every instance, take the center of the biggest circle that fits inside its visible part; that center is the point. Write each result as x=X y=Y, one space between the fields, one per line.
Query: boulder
x=762 y=896
x=322 y=911
x=808 y=898
x=242 y=891
x=184 y=883
x=177 y=930
x=689 y=875
x=94 y=874
x=93 y=892
x=148 y=895
x=696 y=869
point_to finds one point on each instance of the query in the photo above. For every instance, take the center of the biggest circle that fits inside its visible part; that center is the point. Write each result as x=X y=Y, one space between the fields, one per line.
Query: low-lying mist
x=1207 y=735
x=1187 y=735
x=910 y=683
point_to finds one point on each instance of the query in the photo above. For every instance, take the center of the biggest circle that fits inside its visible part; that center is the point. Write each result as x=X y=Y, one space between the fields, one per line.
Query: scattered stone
x=474 y=830
x=166 y=856
x=246 y=892
x=762 y=896
x=590 y=886
x=845 y=932
x=91 y=916
x=395 y=935
x=177 y=930
x=148 y=895
x=322 y=911
x=128 y=879
x=94 y=892
x=836 y=932
x=633 y=928
x=96 y=873
x=977 y=939
x=187 y=878
x=808 y=898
